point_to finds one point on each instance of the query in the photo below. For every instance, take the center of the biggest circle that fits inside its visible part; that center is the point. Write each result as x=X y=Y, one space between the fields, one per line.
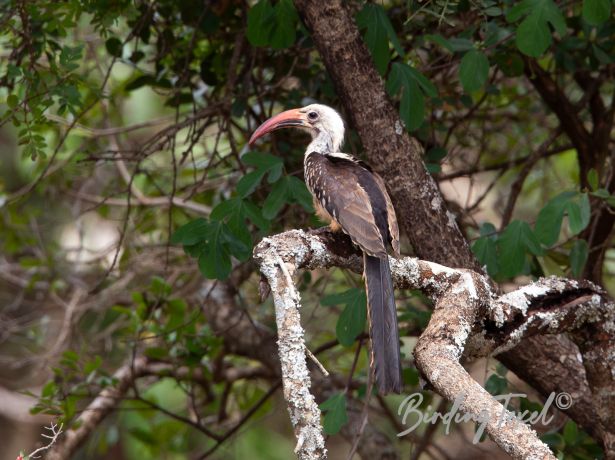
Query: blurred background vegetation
x=130 y=203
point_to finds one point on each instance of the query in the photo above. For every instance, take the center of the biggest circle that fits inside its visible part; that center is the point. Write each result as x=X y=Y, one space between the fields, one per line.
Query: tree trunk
x=422 y=214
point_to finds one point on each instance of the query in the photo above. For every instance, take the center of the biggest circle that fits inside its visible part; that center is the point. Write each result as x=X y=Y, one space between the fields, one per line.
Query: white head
x=323 y=123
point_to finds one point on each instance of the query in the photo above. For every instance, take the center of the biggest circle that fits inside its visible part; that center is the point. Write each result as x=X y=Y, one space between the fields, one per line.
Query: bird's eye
x=313 y=116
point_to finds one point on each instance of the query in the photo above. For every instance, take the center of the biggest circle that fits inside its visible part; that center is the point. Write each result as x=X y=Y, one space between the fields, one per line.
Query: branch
x=467 y=311
x=55 y=431
x=437 y=354
x=430 y=227
x=98 y=409
x=396 y=156
x=304 y=412
x=559 y=103
x=528 y=165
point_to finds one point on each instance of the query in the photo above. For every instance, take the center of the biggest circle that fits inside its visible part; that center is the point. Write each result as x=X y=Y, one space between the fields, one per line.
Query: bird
x=353 y=198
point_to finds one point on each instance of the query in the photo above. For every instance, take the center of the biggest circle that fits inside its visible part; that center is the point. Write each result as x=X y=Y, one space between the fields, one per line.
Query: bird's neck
x=322 y=143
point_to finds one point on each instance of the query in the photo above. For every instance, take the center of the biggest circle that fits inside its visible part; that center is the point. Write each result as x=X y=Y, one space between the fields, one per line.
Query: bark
x=422 y=214
x=391 y=151
x=98 y=409
x=571 y=124
x=469 y=321
x=278 y=266
x=592 y=150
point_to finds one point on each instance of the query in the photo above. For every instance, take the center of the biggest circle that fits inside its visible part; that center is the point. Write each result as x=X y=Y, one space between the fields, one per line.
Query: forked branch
x=469 y=321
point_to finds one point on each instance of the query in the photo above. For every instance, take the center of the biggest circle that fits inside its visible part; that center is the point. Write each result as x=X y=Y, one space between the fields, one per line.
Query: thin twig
x=55 y=433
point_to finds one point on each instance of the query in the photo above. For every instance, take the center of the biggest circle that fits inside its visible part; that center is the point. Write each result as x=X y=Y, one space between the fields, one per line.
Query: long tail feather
x=382 y=316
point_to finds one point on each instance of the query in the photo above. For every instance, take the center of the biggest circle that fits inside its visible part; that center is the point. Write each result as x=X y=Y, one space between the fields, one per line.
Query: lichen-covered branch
x=278 y=264
x=428 y=224
x=437 y=354
x=469 y=321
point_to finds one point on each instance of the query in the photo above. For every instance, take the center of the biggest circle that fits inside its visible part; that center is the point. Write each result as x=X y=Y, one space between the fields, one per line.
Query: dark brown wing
x=357 y=200
x=391 y=217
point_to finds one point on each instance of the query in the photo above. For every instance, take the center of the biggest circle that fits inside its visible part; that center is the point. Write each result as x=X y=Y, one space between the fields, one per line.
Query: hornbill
x=354 y=199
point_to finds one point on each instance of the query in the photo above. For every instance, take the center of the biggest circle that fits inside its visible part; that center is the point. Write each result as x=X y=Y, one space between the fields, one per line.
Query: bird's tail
x=382 y=318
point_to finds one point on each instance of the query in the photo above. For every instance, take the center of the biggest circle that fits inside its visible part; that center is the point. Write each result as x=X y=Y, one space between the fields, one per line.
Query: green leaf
x=516 y=240
x=159 y=287
x=49 y=389
x=578 y=257
x=254 y=213
x=549 y=221
x=433 y=158
x=176 y=309
x=529 y=240
x=554 y=440
x=550 y=266
x=404 y=76
x=158 y=353
x=284 y=30
x=593 y=180
x=226 y=208
x=601 y=193
x=248 y=183
x=496 y=385
x=379 y=32
x=436 y=154
x=213 y=243
x=579 y=213
x=595 y=12
x=461 y=44
x=533 y=34
x=260 y=160
x=412 y=106
x=485 y=251
x=602 y=56
x=610 y=201
x=351 y=321
x=144 y=435
x=192 y=233
x=235 y=233
x=215 y=260
x=518 y=10
x=574 y=217
x=93 y=365
x=300 y=193
x=277 y=197
x=238 y=238
x=571 y=433
x=339 y=298
x=510 y=63
x=12 y=100
x=473 y=70
x=375 y=36
x=265 y=164
x=440 y=40
x=488 y=229
x=114 y=46
x=261 y=21
x=426 y=86
x=335 y=413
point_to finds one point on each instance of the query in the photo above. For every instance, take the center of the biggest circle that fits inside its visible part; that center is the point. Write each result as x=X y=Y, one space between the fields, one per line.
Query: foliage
x=351 y=321
x=335 y=413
